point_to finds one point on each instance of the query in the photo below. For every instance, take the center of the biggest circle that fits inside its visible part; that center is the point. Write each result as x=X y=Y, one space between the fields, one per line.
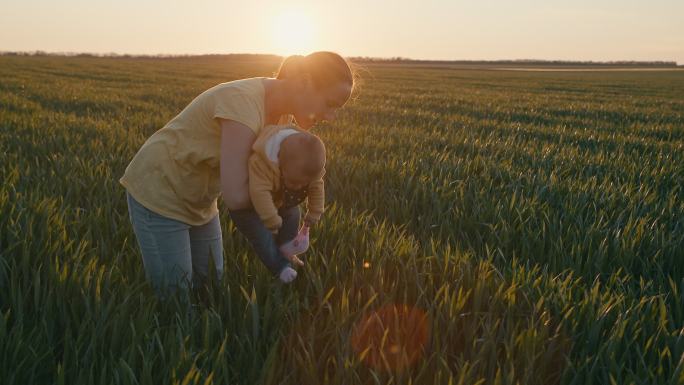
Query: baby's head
x=301 y=159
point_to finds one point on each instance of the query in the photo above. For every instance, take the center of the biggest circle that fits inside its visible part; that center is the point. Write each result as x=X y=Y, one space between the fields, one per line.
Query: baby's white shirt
x=272 y=146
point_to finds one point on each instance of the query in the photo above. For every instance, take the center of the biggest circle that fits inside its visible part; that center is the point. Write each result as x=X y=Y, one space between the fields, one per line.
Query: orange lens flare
x=393 y=337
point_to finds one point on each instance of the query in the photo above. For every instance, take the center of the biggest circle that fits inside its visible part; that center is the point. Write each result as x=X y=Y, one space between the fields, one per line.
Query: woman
x=173 y=182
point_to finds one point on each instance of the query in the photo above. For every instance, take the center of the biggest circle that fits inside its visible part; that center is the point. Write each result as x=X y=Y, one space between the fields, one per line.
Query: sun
x=293 y=33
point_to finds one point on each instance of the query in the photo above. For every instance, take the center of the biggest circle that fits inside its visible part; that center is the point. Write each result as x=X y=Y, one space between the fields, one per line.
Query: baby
x=286 y=168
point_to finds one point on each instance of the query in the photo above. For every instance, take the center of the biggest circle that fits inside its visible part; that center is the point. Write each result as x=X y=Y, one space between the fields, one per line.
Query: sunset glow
x=434 y=29
x=293 y=33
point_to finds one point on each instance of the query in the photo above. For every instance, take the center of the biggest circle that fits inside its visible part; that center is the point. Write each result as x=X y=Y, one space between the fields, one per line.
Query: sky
x=599 y=30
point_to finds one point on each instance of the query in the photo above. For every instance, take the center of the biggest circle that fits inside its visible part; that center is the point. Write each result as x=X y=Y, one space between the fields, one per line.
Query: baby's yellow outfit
x=265 y=186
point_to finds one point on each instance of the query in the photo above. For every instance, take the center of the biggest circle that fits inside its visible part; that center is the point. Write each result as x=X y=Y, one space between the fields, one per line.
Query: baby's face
x=293 y=177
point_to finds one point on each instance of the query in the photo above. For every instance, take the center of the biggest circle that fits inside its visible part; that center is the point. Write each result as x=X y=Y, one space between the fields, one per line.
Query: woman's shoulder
x=248 y=86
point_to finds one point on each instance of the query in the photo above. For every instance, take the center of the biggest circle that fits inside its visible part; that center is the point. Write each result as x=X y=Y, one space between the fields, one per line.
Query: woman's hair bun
x=292 y=66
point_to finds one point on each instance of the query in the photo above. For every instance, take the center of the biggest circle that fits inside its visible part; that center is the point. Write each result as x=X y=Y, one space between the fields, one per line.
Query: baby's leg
x=288 y=231
x=260 y=237
x=289 y=242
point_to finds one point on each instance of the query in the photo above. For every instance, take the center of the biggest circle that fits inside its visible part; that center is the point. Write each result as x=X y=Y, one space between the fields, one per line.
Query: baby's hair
x=308 y=150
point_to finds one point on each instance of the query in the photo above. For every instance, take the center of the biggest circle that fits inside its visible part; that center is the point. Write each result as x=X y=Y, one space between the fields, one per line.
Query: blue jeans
x=262 y=240
x=175 y=255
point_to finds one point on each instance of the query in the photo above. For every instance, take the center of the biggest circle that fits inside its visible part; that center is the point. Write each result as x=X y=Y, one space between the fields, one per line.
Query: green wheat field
x=482 y=227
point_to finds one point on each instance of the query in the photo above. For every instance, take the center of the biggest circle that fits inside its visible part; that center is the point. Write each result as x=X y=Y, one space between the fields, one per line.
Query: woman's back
x=176 y=171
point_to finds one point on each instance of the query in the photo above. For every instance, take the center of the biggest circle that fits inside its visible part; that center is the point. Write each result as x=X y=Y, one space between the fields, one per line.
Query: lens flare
x=393 y=337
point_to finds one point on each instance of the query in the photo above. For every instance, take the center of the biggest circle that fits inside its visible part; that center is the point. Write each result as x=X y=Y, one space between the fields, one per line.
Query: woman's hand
x=236 y=146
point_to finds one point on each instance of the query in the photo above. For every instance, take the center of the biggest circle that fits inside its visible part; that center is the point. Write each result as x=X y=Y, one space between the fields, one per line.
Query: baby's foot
x=288 y=274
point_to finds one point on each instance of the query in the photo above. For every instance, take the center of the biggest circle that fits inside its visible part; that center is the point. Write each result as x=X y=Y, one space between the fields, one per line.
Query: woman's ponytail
x=291 y=67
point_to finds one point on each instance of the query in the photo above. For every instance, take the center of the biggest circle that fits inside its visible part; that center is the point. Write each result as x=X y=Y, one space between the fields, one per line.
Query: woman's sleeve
x=240 y=108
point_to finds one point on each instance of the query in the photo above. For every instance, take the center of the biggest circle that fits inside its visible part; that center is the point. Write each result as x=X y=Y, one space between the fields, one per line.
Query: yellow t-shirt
x=176 y=171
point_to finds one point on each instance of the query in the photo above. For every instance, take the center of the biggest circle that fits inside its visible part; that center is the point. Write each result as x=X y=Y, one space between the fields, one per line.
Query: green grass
x=535 y=219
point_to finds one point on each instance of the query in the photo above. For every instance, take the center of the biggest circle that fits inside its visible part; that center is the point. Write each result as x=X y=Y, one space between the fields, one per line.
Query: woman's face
x=315 y=106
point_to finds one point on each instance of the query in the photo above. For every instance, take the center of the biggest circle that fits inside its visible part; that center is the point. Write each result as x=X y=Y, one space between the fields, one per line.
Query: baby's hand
x=275 y=228
x=310 y=220
x=296 y=246
x=295 y=260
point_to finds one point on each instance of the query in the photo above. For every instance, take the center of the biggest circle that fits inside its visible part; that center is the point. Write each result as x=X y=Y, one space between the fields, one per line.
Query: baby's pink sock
x=288 y=274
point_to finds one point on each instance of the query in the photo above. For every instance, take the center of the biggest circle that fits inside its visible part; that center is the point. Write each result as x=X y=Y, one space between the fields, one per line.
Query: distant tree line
x=531 y=62
x=244 y=56
x=367 y=59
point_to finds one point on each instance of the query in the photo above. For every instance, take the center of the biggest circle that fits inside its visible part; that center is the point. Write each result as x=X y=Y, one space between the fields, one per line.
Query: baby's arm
x=261 y=193
x=316 y=201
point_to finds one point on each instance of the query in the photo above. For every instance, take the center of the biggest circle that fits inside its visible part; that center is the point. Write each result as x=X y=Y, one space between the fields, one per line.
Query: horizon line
x=362 y=58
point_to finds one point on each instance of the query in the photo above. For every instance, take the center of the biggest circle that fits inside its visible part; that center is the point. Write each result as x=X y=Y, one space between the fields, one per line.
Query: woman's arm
x=236 y=146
